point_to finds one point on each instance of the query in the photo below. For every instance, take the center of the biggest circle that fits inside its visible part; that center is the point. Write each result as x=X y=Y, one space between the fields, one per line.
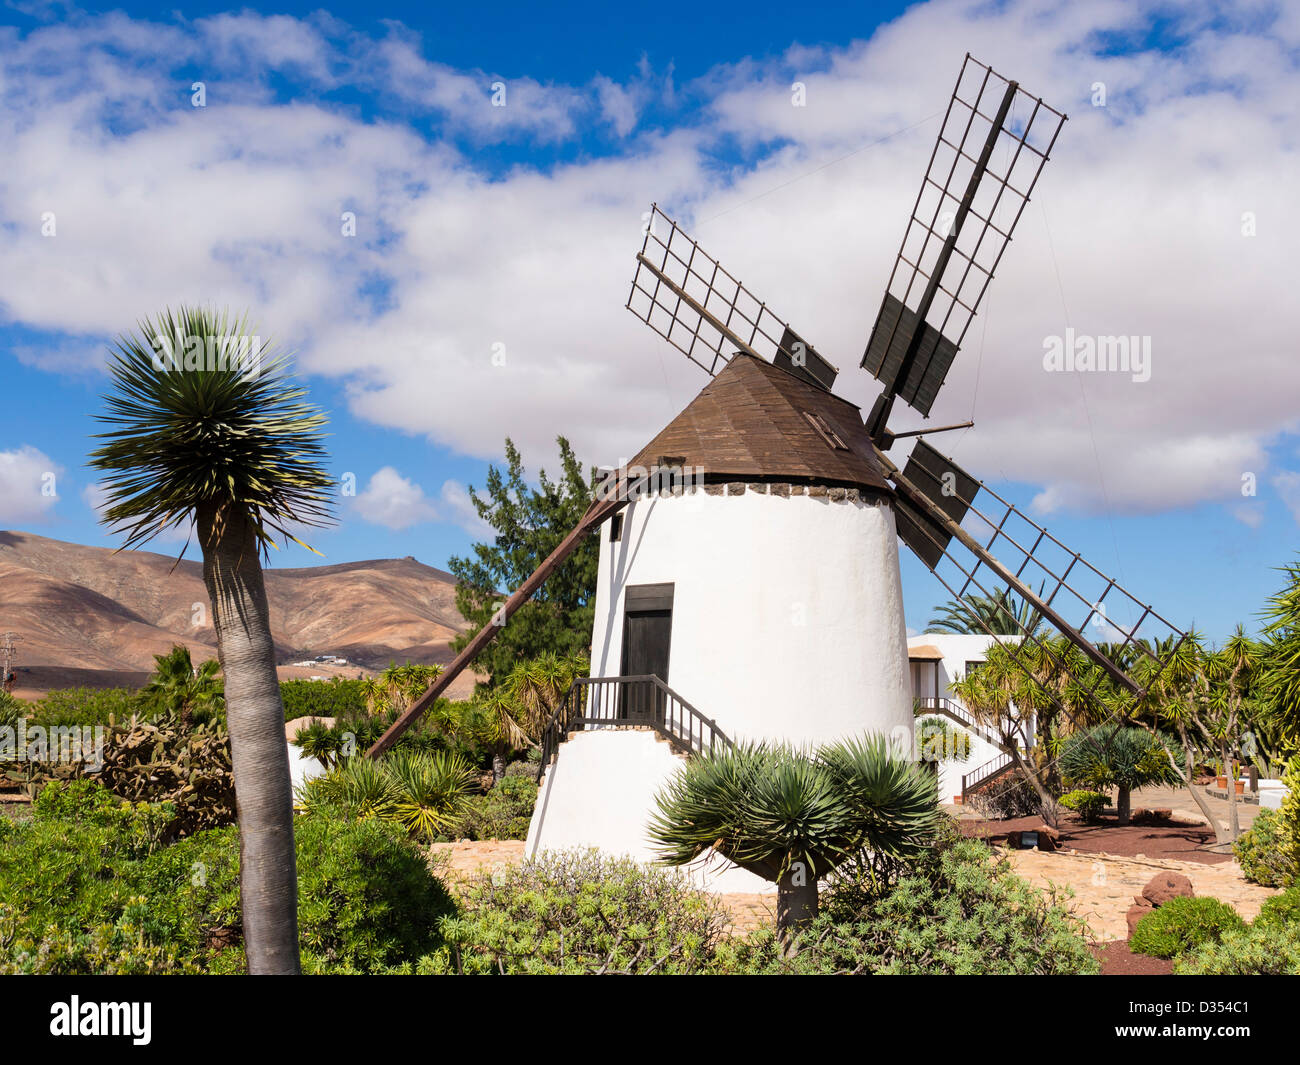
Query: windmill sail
x=689 y=299
x=941 y=523
x=990 y=151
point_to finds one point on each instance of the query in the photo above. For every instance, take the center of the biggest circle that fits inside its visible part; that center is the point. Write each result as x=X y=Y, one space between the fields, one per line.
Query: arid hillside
x=88 y=616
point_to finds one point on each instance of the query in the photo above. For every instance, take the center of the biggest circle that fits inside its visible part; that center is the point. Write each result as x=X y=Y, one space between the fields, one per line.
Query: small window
x=825 y=431
x=616 y=528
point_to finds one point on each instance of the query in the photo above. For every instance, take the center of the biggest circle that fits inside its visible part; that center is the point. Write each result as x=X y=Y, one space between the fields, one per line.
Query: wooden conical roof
x=751 y=422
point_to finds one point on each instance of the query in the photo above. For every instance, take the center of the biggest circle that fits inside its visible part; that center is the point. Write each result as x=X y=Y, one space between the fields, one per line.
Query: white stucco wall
x=787 y=612
x=787 y=625
x=957 y=650
x=599 y=792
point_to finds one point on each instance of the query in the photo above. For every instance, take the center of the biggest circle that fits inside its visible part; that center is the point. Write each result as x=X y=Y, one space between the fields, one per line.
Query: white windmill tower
x=749 y=582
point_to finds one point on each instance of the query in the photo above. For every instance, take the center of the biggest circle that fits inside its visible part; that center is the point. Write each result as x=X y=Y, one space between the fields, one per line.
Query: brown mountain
x=89 y=616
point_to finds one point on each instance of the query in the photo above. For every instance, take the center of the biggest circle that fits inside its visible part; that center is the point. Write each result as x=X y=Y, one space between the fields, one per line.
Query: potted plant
x=1220 y=778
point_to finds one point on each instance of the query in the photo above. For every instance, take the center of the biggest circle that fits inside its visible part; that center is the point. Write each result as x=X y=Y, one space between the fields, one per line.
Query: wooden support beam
x=920 y=499
x=599 y=510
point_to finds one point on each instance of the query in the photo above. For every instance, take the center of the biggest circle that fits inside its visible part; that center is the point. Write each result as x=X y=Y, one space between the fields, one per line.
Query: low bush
x=1268 y=949
x=961 y=911
x=423 y=792
x=337 y=697
x=1182 y=924
x=90 y=888
x=1282 y=909
x=1087 y=804
x=89 y=706
x=581 y=912
x=1008 y=796
x=1260 y=854
x=503 y=812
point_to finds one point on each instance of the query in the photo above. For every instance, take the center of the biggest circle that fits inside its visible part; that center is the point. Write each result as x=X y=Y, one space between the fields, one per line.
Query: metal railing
x=981 y=776
x=955 y=711
x=630 y=702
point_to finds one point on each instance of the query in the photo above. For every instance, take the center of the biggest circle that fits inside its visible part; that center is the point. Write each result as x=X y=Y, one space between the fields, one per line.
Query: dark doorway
x=647 y=637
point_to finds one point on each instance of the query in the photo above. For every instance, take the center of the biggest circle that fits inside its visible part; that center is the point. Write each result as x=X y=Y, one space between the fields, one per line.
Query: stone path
x=1104 y=884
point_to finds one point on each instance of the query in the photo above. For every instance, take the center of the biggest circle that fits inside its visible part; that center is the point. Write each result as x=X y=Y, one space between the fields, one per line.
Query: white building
x=935 y=662
x=763 y=594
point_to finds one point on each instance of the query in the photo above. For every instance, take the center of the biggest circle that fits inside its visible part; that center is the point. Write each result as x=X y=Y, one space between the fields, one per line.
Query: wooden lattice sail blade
x=689 y=299
x=983 y=553
x=608 y=502
x=990 y=151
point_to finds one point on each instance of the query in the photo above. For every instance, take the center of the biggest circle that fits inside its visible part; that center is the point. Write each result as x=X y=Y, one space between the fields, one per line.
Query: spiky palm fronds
x=230 y=431
x=892 y=800
x=433 y=788
x=767 y=807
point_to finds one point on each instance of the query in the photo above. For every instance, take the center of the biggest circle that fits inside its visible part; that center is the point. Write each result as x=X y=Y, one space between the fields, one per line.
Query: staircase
x=630 y=702
x=989 y=771
x=955 y=712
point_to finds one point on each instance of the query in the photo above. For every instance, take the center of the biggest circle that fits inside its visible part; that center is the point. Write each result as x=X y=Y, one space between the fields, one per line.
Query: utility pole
x=8 y=652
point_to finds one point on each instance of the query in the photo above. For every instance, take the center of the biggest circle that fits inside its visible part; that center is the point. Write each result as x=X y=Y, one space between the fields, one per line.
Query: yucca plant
x=422 y=791
x=358 y=788
x=433 y=787
x=791 y=816
x=207 y=426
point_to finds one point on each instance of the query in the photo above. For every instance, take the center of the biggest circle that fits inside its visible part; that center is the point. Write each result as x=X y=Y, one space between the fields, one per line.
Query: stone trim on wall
x=784 y=489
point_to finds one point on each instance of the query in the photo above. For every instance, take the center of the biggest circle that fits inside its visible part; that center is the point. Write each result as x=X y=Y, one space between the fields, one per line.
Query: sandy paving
x=1103 y=884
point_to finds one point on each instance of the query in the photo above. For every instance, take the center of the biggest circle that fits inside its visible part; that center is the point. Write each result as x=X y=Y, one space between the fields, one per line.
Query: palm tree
x=792 y=817
x=1125 y=758
x=1001 y=614
x=181 y=689
x=230 y=444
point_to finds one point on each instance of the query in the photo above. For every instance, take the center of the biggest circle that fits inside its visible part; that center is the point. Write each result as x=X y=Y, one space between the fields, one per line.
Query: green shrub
x=1260 y=854
x=1087 y=804
x=86 y=891
x=335 y=698
x=581 y=912
x=961 y=910
x=1182 y=924
x=424 y=792
x=503 y=813
x=1281 y=909
x=89 y=706
x=1268 y=949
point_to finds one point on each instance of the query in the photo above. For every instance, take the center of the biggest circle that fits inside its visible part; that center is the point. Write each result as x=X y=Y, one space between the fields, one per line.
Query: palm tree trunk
x=498 y=764
x=1124 y=805
x=796 y=905
x=268 y=881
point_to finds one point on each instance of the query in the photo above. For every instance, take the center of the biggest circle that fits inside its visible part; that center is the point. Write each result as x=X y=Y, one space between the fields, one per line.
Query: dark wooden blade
x=689 y=299
x=936 y=538
x=614 y=500
x=993 y=144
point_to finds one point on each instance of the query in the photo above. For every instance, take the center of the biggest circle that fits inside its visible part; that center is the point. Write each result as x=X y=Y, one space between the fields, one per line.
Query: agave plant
x=206 y=425
x=433 y=788
x=421 y=791
x=792 y=817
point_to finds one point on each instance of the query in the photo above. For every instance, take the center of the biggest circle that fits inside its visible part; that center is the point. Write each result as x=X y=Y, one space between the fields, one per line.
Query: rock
x=1160 y=889
x=1137 y=911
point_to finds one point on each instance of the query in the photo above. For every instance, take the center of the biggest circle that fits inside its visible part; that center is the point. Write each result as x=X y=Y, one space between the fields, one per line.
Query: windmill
x=749 y=580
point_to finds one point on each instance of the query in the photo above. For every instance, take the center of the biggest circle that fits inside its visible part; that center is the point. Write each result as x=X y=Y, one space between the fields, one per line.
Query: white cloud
x=394 y=501
x=1287 y=483
x=1135 y=228
x=29 y=482
x=459 y=508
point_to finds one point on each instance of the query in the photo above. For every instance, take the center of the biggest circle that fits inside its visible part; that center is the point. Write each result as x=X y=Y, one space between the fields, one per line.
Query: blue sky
x=514 y=228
